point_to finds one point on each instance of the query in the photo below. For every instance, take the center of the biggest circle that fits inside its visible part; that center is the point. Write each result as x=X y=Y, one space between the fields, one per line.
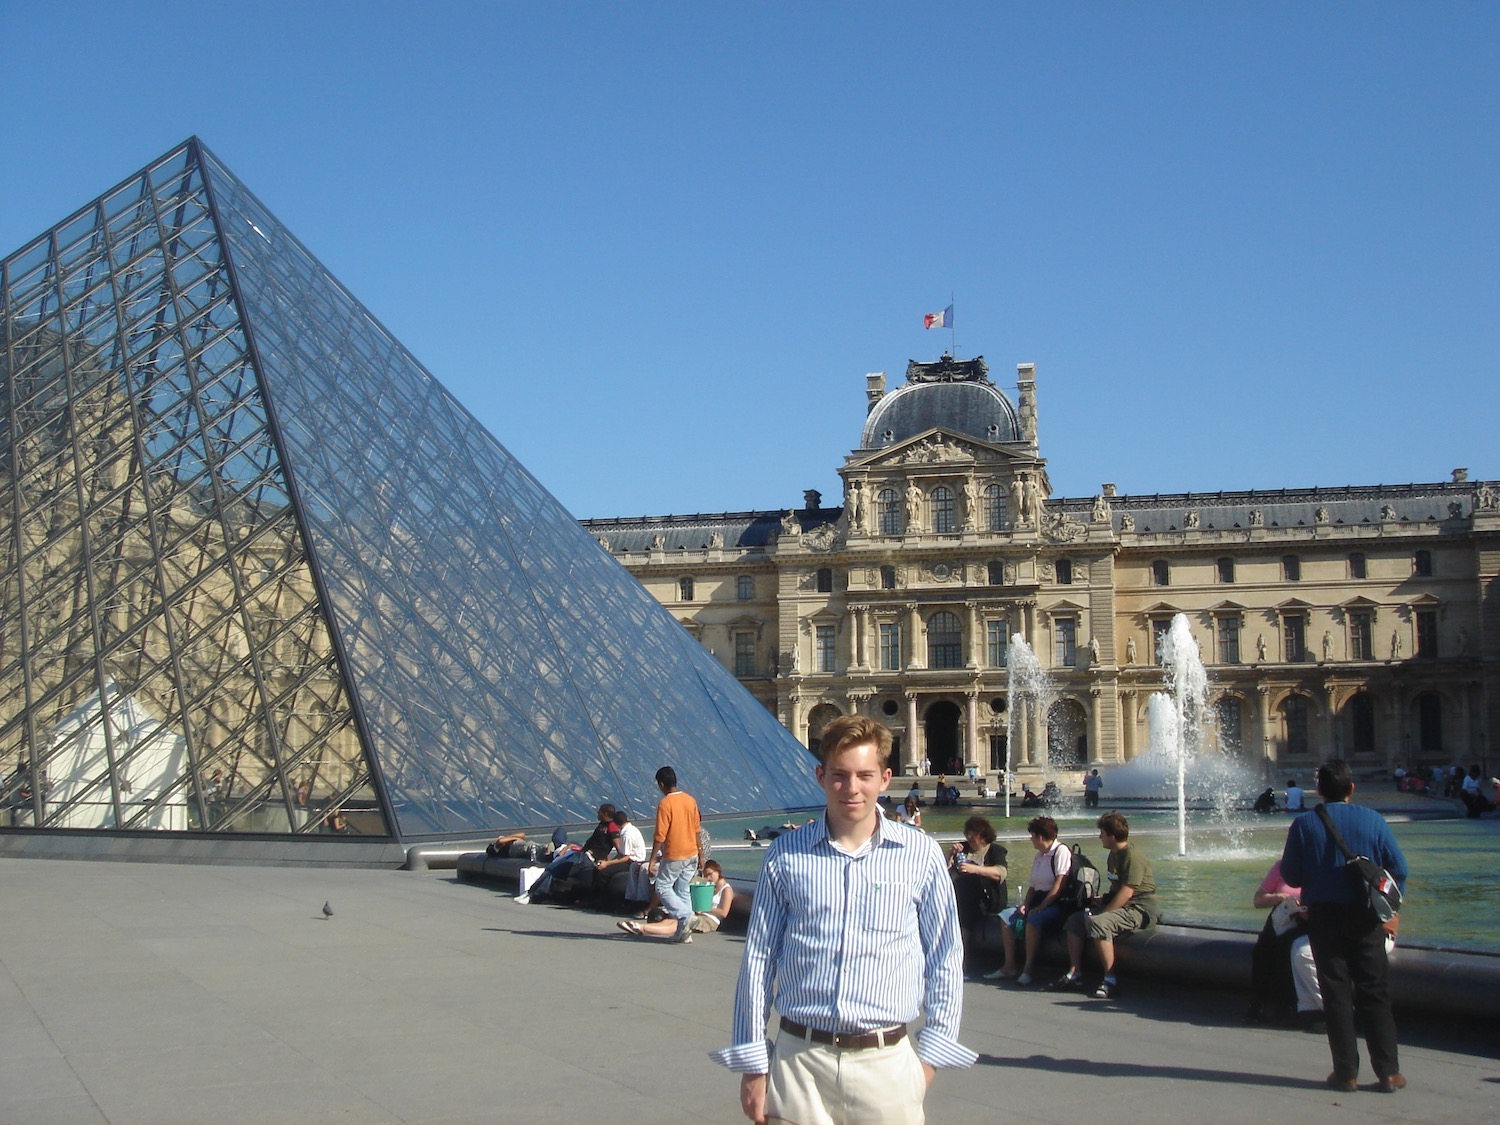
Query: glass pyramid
x=261 y=573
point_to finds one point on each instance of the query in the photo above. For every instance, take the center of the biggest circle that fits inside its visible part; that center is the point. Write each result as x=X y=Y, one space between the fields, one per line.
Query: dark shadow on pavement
x=1093 y=1067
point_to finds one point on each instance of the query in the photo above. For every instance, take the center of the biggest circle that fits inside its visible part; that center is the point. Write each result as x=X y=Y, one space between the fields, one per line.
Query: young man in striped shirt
x=853 y=934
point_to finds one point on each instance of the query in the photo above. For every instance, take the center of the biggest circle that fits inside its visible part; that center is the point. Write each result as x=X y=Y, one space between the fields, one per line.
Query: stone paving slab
x=159 y=994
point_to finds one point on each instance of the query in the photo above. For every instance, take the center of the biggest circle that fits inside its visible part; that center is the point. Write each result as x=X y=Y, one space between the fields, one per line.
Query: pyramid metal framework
x=261 y=573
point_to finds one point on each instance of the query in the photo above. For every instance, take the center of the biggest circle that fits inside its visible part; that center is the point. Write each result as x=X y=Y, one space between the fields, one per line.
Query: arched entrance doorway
x=940 y=726
x=817 y=722
x=1067 y=736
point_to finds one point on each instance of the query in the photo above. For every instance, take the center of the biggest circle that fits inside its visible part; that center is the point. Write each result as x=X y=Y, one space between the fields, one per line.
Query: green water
x=1452 y=894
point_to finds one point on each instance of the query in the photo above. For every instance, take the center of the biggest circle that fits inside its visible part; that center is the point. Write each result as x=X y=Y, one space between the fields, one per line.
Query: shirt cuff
x=939 y=1051
x=747 y=1058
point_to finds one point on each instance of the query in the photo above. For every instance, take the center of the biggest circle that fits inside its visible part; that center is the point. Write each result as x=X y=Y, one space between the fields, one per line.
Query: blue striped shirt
x=843 y=942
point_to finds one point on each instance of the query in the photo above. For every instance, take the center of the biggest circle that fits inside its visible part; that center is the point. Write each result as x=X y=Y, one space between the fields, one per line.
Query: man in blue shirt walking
x=853 y=934
x=1348 y=940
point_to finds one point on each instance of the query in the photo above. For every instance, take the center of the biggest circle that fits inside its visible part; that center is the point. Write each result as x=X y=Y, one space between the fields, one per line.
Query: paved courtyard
x=158 y=994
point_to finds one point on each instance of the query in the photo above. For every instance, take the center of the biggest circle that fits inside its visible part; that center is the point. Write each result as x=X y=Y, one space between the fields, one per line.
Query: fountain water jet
x=1182 y=715
x=1028 y=685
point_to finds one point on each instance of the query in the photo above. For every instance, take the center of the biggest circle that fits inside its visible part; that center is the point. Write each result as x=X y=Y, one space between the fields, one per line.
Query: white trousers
x=815 y=1084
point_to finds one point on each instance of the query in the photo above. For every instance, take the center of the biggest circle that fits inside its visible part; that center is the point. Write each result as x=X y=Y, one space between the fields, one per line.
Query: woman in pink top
x=1281 y=966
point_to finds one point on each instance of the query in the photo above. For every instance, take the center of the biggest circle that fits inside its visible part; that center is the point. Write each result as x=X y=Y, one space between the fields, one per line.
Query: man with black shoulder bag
x=1336 y=853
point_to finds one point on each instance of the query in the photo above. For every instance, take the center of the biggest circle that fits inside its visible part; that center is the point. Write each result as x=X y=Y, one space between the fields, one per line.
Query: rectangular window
x=890 y=646
x=744 y=588
x=1357 y=566
x=1065 y=629
x=1294 y=636
x=887 y=578
x=1229 y=640
x=1361 y=637
x=684 y=589
x=1159 y=630
x=997 y=641
x=1291 y=568
x=1427 y=639
x=997 y=752
x=825 y=648
x=744 y=654
x=1226 y=570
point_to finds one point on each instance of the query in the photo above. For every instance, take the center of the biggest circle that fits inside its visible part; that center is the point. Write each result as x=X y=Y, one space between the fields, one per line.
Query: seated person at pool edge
x=1040 y=912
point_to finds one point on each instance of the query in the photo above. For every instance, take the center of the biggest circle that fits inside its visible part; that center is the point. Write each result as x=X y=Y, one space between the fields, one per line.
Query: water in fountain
x=1029 y=691
x=1180 y=762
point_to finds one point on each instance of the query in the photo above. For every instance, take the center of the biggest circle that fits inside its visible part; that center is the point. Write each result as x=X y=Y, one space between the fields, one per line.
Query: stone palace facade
x=1361 y=621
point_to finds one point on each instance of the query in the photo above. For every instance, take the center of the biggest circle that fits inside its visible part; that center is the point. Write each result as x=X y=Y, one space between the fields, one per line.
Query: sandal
x=630 y=927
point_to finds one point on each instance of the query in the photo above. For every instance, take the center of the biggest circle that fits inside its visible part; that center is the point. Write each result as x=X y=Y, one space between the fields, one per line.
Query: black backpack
x=1081 y=888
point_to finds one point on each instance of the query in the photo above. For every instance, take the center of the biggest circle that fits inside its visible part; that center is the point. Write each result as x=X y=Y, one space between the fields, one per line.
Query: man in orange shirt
x=674 y=851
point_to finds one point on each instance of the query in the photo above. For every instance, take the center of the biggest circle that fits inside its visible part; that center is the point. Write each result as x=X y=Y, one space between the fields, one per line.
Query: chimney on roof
x=874 y=389
x=1460 y=475
x=1108 y=489
x=812 y=500
x=1026 y=385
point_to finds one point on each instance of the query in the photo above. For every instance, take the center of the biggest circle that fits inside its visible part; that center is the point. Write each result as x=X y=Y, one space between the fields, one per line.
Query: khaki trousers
x=815 y=1084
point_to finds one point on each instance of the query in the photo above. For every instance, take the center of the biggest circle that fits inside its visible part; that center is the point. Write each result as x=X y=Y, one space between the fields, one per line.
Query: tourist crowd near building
x=1362 y=621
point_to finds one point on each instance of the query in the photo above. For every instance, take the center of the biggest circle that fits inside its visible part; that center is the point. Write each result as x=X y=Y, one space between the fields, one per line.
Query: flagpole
x=952 y=329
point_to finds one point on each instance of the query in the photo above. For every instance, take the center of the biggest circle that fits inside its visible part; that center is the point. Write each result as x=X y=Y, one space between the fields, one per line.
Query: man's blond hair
x=855 y=730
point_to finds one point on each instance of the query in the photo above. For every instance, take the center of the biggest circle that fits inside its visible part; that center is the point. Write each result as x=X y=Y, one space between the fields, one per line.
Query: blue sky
x=655 y=247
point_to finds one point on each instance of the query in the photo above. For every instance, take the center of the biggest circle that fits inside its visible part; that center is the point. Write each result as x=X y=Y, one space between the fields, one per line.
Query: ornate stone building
x=1361 y=621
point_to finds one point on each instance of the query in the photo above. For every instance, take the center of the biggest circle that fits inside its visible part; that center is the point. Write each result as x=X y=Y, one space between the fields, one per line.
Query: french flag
x=942 y=319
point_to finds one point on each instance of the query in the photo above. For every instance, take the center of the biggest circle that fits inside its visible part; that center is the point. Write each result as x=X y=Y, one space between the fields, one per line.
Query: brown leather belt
x=847 y=1040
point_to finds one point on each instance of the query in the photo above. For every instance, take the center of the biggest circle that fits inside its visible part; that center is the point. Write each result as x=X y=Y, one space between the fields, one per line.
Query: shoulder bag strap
x=1333 y=831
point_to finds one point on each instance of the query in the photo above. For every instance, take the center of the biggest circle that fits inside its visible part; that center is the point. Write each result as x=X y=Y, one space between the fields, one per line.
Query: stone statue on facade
x=602 y=540
x=971 y=504
x=1018 y=497
x=913 y=507
x=789 y=525
x=1387 y=512
x=1129 y=650
x=1327 y=646
x=1486 y=499
x=1257 y=518
x=1320 y=515
x=658 y=542
x=1190 y=521
x=1093 y=651
x=854 y=505
x=1260 y=647
x=716 y=539
x=1127 y=522
x=1396 y=645
x=1101 y=512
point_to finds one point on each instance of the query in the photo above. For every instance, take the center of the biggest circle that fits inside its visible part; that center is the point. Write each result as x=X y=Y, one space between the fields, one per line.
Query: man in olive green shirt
x=1130 y=904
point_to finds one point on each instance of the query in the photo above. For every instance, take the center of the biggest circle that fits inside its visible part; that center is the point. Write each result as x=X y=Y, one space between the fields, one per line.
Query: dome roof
x=954 y=395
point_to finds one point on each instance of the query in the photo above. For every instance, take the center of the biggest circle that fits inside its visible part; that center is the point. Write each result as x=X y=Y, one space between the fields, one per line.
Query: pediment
x=938 y=447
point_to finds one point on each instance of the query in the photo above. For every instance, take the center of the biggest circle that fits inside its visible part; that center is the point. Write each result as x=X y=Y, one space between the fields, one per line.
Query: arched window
x=945 y=641
x=888 y=510
x=1361 y=712
x=1295 y=715
x=1231 y=728
x=1429 y=724
x=994 y=508
x=942 y=510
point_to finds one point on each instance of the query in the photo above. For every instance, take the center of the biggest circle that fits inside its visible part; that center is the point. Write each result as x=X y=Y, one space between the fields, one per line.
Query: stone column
x=971 y=715
x=1331 y=726
x=1095 y=751
x=918 y=753
x=914 y=635
x=859 y=617
x=1127 y=725
x=1263 y=721
x=976 y=651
